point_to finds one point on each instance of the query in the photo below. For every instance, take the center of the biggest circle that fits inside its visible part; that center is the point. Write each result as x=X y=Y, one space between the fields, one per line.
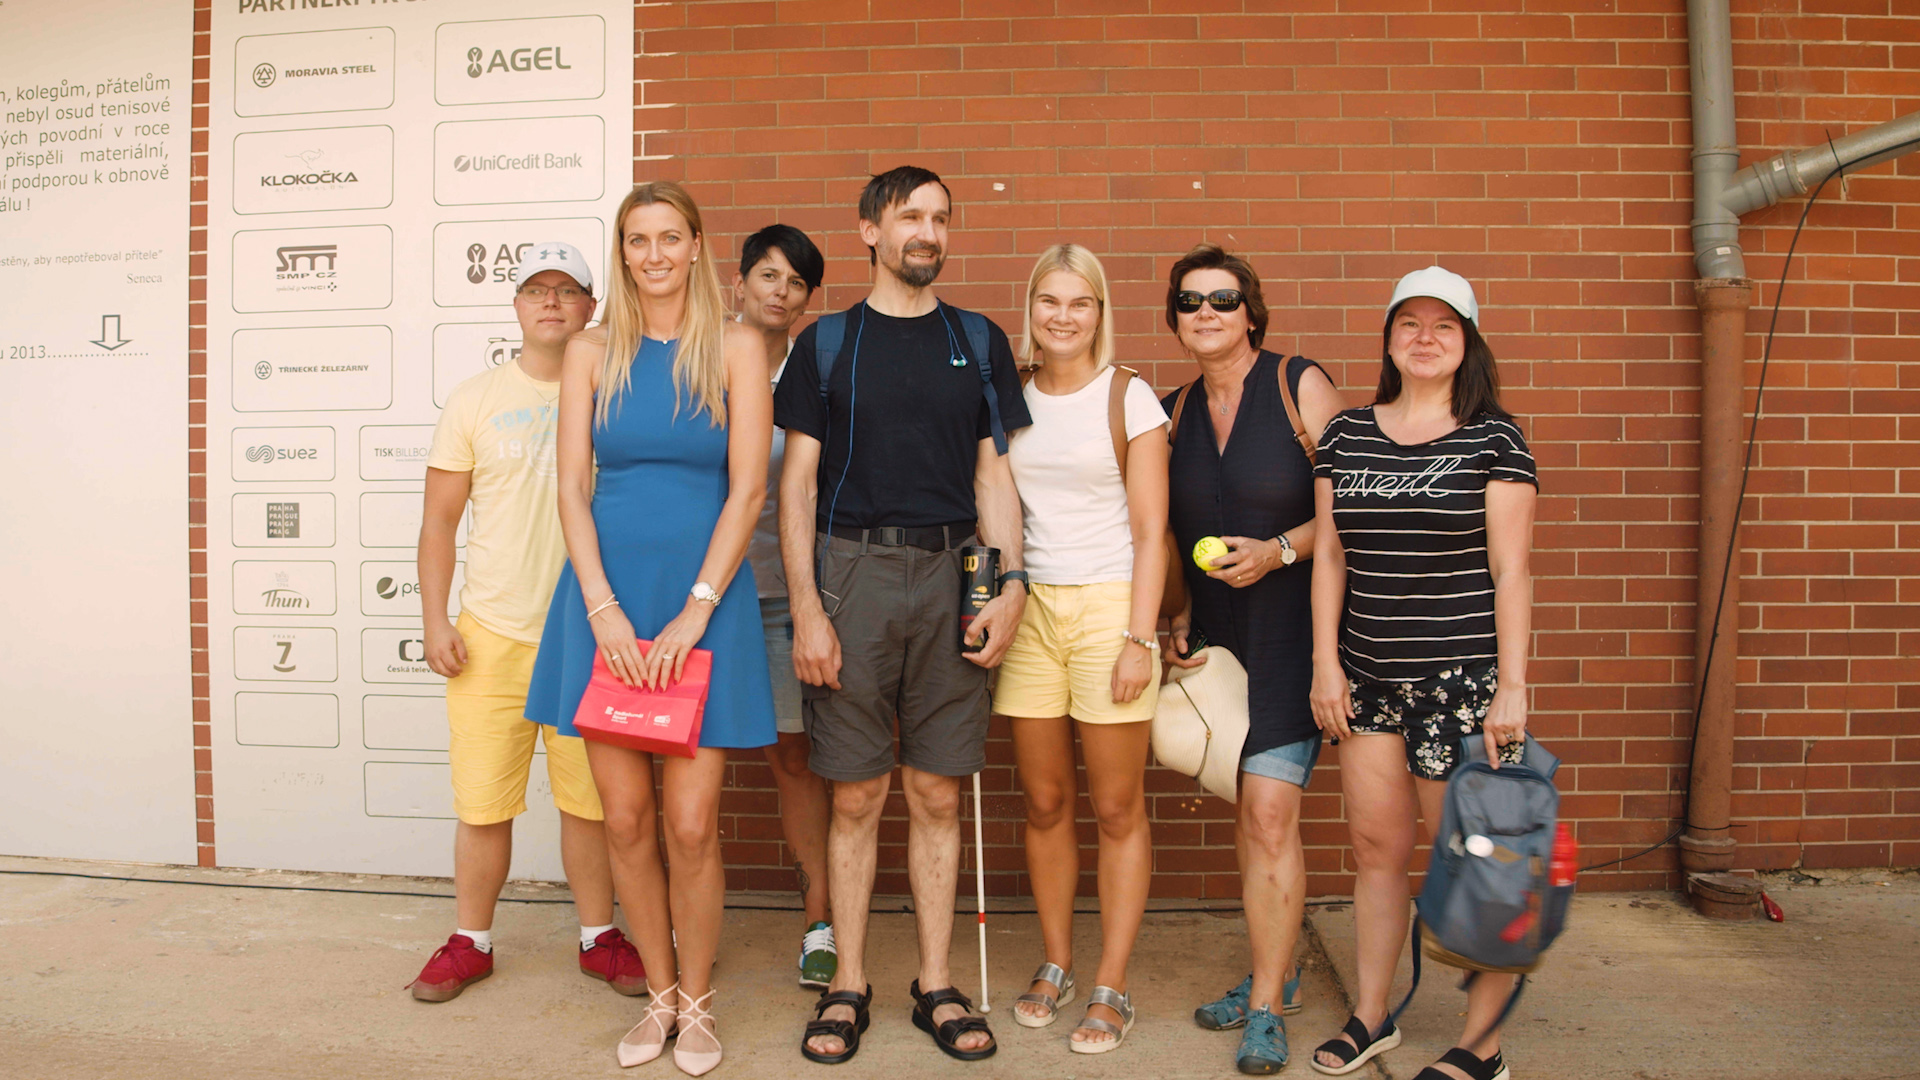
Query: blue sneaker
x=1263 y=1046
x=1230 y=1011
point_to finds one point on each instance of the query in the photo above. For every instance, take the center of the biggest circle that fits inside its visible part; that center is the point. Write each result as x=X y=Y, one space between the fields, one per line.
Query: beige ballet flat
x=631 y=1050
x=696 y=1013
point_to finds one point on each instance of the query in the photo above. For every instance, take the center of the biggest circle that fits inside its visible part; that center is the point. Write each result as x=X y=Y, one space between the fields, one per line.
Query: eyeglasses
x=537 y=294
x=1221 y=300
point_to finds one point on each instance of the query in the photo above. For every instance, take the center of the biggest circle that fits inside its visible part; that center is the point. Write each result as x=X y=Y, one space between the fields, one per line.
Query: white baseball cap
x=1443 y=285
x=555 y=255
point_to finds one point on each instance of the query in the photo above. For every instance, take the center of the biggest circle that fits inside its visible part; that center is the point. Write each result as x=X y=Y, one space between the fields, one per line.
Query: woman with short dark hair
x=1422 y=602
x=1239 y=471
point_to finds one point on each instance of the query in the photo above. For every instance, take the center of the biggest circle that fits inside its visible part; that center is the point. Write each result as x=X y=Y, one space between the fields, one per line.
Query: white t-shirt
x=1075 y=502
x=763 y=550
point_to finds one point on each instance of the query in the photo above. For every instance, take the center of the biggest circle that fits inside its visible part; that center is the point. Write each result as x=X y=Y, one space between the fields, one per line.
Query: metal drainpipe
x=1723 y=295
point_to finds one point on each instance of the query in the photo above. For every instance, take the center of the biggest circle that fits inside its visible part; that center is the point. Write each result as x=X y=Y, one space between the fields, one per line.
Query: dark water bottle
x=979 y=567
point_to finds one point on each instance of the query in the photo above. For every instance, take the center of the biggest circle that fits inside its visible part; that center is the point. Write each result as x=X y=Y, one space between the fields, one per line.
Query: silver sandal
x=1118 y=1002
x=1049 y=973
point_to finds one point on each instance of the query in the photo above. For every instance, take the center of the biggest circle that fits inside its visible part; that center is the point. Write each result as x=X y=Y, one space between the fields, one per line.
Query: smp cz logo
x=263 y=75
x=307 y=268
x=544 y=58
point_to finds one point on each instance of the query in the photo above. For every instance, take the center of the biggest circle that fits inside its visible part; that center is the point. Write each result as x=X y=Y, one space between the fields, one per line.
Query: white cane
x=980 y=892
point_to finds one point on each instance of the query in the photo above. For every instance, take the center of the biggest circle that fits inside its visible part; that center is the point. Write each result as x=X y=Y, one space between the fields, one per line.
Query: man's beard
x=917 y=275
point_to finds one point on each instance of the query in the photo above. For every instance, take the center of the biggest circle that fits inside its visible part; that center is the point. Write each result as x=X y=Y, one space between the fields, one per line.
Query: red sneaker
x=450 y=969
x=614 y=961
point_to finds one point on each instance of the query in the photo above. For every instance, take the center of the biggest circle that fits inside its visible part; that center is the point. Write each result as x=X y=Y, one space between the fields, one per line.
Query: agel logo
x=498 y=264
x=546 y=58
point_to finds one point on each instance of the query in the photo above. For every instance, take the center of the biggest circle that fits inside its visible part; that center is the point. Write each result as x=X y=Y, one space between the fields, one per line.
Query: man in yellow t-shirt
x=494 y=446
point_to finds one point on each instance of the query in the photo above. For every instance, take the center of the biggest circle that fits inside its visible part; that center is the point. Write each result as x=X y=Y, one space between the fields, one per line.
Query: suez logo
x=543 y=58
x=302 y=453
x=532 y=161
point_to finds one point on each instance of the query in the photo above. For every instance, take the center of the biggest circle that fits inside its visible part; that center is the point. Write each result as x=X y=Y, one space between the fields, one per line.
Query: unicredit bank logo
x=507 y=61
x=508 y=162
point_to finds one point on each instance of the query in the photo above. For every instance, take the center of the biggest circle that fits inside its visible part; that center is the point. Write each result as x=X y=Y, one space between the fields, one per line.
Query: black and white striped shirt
x=1413 y=521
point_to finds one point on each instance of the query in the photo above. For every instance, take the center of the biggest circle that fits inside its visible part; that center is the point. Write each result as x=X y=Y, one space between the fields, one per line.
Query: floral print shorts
x=1432 y=715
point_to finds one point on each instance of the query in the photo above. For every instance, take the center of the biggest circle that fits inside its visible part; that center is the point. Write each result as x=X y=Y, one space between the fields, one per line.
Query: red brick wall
x=1542 y=148
x=197 y=439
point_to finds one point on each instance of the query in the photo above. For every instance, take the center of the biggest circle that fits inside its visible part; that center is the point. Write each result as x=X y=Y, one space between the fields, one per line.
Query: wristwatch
x=1014 y=575
x=704 y=593
x=1287 y=554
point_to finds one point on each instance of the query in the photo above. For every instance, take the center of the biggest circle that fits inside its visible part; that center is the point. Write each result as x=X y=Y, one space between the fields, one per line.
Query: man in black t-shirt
x=888 y=474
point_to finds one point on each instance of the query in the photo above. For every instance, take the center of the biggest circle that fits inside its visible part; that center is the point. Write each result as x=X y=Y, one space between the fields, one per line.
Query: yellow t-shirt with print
x=500 y=426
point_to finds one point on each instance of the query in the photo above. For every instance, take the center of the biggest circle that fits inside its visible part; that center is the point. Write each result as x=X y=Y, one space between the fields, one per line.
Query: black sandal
x=1463 y=1059
x=947 y=1035
x=1363 y=1048
x=847 y=1031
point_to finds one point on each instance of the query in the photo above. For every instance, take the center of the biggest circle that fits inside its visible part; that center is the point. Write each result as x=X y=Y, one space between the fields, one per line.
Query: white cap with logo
x=1443 y=285
x=555 y=255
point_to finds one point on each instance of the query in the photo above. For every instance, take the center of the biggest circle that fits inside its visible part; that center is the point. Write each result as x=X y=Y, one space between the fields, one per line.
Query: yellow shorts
x=491 y=748
x=1061 y=663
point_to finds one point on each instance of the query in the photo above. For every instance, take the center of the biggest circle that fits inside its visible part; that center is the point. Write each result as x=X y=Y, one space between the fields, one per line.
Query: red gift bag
x=657 y=721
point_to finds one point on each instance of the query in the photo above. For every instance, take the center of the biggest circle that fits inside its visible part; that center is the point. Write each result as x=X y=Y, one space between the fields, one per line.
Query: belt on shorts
x=927 y=538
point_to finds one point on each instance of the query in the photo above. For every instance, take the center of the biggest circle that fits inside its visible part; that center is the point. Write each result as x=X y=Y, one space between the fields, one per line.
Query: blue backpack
x=831 y=332
x=1489 y=903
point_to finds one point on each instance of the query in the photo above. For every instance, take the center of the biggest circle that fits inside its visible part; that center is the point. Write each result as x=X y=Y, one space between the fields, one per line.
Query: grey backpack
x=1498 y=886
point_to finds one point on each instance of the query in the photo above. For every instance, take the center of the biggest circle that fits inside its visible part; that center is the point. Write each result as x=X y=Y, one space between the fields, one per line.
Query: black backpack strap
x=1519 y=985
x=1394 y=1016
x=974 y=326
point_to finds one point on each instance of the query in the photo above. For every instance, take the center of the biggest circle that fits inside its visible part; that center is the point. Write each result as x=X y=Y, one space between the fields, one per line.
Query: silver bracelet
x=1145 y=643
x=611 y=602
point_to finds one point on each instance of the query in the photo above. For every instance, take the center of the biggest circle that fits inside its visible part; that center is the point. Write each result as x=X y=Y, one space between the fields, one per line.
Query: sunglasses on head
x=1221 y=300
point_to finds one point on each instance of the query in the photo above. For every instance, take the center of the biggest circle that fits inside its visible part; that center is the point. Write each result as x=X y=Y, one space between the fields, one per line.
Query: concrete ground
x=103 y=978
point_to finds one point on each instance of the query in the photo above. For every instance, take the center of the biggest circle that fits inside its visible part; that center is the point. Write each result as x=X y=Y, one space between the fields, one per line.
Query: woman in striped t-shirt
x=1421 y=613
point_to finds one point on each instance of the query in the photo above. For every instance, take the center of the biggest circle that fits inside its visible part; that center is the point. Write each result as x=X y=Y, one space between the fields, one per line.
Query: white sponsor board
x=368 y=195
x=540 y=159
x=286 y=653
x=334 y=269
x=473 y=261
x=502 y=60
x=311 y=369
x=393 y=588
x=279 y=719
x=463 y=350
x=291 y=587
x=96 y=168
x=277 y=455
x=395 y=451
x=313 y=71
x=278 y=172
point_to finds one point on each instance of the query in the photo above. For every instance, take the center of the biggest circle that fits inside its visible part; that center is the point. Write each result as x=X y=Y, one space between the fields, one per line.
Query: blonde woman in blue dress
x=673 y=403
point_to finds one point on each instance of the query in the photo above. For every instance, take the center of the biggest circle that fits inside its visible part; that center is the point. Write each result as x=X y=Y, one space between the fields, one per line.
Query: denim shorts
x=1292 y=762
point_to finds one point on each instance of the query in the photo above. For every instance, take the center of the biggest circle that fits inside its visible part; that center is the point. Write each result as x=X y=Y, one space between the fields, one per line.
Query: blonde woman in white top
x=1085 y=658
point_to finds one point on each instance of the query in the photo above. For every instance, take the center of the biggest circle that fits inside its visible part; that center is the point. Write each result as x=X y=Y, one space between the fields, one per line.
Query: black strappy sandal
x=947 y=1035
x=1492 y=1068
x=1364 y=1047
x=847 y=1031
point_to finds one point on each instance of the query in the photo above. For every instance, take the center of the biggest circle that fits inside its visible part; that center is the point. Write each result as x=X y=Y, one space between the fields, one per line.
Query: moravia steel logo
x=544 y=58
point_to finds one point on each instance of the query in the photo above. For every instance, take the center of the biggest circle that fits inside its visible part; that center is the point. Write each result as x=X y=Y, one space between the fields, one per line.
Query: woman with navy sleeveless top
x=674 y=404
x=1237 y=472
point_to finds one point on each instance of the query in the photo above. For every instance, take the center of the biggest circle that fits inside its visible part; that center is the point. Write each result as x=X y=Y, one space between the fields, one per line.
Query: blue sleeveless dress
x=662 y=482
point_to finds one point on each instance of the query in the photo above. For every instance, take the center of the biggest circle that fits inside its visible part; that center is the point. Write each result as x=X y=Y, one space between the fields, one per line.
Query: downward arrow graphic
x=110 y=338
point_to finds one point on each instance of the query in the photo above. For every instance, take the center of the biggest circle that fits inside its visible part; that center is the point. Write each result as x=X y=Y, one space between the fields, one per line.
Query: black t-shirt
x=1413 y=521
x=910 y=418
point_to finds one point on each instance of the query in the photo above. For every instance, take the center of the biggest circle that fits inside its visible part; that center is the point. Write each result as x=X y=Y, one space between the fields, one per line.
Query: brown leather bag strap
x=1179 y=406
x=1117 y=414
x=1293 y=414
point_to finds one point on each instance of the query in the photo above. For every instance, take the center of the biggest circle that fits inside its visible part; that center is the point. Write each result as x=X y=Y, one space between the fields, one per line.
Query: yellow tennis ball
x=1206 y=550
